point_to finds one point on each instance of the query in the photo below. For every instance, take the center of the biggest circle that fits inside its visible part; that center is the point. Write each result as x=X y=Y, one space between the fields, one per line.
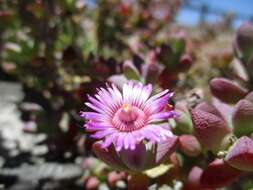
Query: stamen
x=129 y=118
x=126 y=107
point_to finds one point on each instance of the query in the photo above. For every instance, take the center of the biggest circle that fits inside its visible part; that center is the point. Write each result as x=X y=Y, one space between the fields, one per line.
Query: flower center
x=129 y=118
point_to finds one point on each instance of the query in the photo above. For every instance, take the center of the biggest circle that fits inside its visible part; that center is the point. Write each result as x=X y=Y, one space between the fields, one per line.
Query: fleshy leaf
x=185 y=62
x=189 y=145
x=165 y=148
x=108 y=155
x=130 y=71
x=249 y=97
x=218 y=174
x=240 y=155
x=209 y=129
x=226 y=90
x=151 y=72
x=184 y=123
x=158 y=171
x=207 y=107
x=193 y=179
x=244 y=41
x=243 y=118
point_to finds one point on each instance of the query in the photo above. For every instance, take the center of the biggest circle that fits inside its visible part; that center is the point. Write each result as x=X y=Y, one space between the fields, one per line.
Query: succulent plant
x=120 y=57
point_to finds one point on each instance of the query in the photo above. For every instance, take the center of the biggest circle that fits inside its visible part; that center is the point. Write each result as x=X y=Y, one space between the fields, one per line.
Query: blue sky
x=241 y=7
x=189 y=17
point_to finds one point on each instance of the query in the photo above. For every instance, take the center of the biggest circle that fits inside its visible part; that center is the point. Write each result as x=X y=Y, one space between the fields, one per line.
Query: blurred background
x=54 y=53
x=195 y=11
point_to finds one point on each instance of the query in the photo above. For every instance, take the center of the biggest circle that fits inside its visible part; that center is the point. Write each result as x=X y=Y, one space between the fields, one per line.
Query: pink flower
x=127 y=118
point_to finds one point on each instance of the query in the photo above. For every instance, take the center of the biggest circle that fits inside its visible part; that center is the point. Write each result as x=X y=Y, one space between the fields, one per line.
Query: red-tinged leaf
x=189 y=145
x=226 y=90
x=193 y=179
x=243 y=118
x=109 y=156
x=165 y=148
x=209 y=129
x=240 y=155
x=185 y=62
x=224 y=109
x=249 y=97
x=218 y=174
x=207 y=107
x=168 y=79
x=244 y=40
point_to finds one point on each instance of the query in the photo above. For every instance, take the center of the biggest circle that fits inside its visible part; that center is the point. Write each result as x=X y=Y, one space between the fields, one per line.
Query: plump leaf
x=244 y=41
x=243 y=118
x=189 y=145
x=226 y=90
x=218 y=174
x=240 y=155
x=210 y=129
x=130 y=71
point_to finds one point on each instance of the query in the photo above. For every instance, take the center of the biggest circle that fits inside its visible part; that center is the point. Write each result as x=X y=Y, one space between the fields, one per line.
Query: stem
x=138 y=181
